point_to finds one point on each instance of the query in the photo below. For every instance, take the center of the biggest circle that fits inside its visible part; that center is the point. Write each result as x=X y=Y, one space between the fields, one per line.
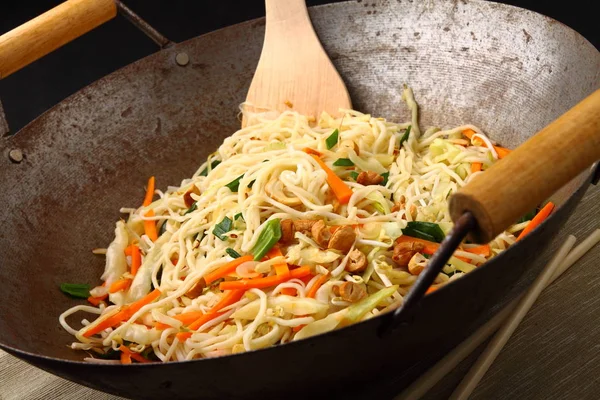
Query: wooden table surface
x=554 y=354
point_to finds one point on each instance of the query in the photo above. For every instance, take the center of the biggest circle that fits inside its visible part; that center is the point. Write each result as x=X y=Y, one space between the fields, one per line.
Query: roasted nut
x=417 y=264
x=304 y=225
x=187 y=197
x=342 y=239
x=357 y=261
x=399 y=204
x=404 y=251
x=335 y=289
x=369 y=178
x=197 y=289
x=413 y=211
x=287 y=231
x=320 y=233
x=352 y=292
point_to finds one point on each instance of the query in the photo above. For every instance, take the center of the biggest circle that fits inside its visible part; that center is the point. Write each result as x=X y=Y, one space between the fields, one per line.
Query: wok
x=92 y=153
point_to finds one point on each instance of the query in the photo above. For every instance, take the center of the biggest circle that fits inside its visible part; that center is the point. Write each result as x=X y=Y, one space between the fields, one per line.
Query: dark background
x=34 y=89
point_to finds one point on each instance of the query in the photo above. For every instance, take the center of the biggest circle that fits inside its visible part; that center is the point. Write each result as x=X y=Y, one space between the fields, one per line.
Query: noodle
x=259 y=179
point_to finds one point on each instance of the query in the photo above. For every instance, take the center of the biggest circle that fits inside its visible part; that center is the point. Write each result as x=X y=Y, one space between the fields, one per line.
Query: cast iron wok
x=508 y=70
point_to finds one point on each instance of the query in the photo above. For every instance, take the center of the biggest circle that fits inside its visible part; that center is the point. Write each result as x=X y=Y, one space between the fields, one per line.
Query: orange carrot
x=318 y=283
x=183 y=336
x=128 y=250
x=430 y=247
x=538 y=219
x=308 y=150
x=476 y=167
x=297 y=328
x=281 y=269
x=502 y=152
x=150 y=227
x=226 y=269
x=260 y=283
x=186 y=318
x=341 y=191
x=483 y=250
x=95 y=301
x=431 y=289
x=288 y=291
x=136 y=356
x=306 y=278
x=124 y=314
x=136 y=259
x=121 y=284
x=229 y=298
x=469 y=134
x=125 y=358
x=149 y=192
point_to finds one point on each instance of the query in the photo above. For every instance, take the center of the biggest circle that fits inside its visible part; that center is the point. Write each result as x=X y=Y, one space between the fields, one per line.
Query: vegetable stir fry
x=292 y=228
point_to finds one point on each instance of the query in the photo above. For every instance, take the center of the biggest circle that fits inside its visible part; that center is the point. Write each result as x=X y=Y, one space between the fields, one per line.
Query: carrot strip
x=121 y=284
x=297 y=328
x=230 y=297
x=128 y=250
x=310 y=151
x=281 y=269
x=183 y=336
x=476 y=167
x=136 y=356
x=288 y=291
x=537 y=220
x=226 y=269
x=124 y=314
x=430 y=247
x=306 y=278
x=150 y=227
x=186 y=318
x=318 y=283
x=136 y=259
x=469 y=134
x=341 y=191
x=431 y=289
x=483 y=250
x=125 y=358
x=260 y=283
x=502 y=152
x=95 y=301
x=149 y=192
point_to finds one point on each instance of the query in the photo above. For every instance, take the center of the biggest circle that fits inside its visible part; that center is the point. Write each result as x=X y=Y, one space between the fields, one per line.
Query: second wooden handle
x=51 y=30
x=532 y=172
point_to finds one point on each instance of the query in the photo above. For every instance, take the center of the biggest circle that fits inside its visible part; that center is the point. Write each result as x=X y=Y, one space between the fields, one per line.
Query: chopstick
x=452 y=359
x=483 y=363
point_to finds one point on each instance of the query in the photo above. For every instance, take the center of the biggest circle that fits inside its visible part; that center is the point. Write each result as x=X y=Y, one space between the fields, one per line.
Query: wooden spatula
x=294 y=71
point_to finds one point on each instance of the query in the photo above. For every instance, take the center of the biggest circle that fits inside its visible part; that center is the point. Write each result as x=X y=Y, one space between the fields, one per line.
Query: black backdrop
x=31 y=91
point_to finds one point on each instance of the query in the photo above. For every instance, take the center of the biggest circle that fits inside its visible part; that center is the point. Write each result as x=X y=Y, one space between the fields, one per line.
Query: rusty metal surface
x=4 y=129
x=92 y=153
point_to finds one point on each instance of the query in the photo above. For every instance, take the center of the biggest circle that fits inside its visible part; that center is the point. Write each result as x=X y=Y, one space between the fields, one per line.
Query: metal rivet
x=182 y=59
x=15 y=155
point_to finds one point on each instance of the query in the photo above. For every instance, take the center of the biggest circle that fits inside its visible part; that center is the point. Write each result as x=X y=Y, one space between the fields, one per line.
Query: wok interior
x=92 y=154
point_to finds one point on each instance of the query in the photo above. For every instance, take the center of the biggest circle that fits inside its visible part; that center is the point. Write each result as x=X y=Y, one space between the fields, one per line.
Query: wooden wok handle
x=532 y=172
x=51 y=30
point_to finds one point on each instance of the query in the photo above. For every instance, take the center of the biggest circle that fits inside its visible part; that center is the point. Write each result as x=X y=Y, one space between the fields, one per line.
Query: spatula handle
x=532 y=172
x=49 y=31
